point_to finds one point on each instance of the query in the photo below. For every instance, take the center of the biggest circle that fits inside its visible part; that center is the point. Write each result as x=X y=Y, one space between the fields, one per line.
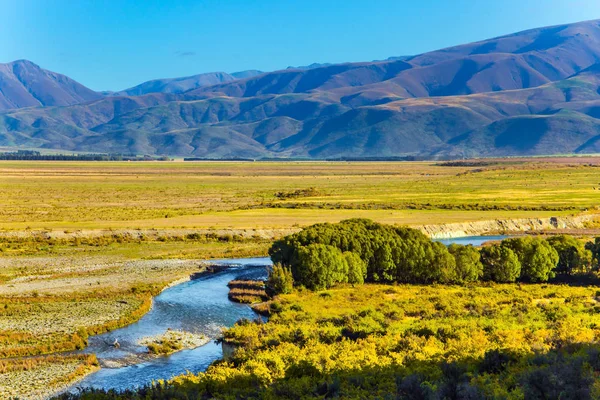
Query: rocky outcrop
x=503 y=226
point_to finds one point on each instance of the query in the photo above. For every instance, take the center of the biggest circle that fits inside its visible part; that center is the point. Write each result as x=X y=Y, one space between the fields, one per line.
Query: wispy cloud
x=185 y=53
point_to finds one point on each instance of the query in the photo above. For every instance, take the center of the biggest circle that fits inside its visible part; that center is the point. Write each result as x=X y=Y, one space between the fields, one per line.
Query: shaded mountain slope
x=25 y=84
x=534 y=92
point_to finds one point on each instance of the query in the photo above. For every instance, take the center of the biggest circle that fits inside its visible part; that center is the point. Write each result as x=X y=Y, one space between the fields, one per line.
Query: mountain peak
x=24 y=64
x=25 y=84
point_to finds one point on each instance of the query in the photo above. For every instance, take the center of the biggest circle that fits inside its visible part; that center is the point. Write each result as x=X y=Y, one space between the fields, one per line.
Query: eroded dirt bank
x=437 y=231
x=506 y=226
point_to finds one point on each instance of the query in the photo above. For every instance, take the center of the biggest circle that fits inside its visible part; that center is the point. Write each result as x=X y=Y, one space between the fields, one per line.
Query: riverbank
x=51 y=305
x=483 y=224
x=42 y=377
x=563 y=224
x=200 y=306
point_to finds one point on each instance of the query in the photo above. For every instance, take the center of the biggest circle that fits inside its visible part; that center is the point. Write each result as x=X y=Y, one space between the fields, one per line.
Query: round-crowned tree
x=572 y=255
x=442 y=268
x=319 y=266
x=468 y=263
x=500 y=264
x=538 y=259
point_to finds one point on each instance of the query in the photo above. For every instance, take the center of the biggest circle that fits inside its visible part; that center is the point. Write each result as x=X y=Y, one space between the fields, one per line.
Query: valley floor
x=85 y=246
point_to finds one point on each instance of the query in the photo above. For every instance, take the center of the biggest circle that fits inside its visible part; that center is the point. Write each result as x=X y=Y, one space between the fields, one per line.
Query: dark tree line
x=29 y=155
x=359 y=250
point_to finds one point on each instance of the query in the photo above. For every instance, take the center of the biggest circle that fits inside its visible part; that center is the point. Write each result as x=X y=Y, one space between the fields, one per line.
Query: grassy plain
x=61 y=280
x=71 y=195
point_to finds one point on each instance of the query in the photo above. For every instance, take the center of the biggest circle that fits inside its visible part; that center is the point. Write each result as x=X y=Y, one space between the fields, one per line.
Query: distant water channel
x=198 y=306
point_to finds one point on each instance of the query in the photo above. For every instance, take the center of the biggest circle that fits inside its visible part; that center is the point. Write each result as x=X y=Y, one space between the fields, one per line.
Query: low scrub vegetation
x=172 y=341
x=407 y=342
x=247 y=291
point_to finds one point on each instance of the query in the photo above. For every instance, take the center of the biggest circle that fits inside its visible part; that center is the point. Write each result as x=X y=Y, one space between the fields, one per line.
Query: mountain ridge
x=527 y=93
x=25 y=84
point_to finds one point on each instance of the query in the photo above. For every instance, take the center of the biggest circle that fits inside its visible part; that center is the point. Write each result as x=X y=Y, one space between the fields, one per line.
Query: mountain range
x=528 y=93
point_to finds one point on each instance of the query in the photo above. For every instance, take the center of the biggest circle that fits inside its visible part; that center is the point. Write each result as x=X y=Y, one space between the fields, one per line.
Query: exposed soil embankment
x=438 y=231
x=508 y=226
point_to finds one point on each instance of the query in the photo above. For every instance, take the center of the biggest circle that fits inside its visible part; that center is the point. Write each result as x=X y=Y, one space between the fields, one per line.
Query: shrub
x=280 y=281
x=572 y=254
x=391 y=254
x=594 y=248
x=320 y=266
x=357 y=268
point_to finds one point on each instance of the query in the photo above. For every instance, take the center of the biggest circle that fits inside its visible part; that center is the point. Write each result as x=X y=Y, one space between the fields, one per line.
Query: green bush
x=319 y=266
x=280 y=281
x=357 y=268
x=391 y=254
x=572 y=255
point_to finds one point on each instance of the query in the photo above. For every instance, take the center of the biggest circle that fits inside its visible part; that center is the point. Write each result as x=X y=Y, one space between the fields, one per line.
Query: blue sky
x=115 y=44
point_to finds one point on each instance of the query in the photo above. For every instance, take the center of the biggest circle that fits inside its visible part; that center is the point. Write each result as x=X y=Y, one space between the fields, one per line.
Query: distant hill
x=311 y=66
x=246 y=74
x=533 y=92
x=24 y=84
x=176 y=85
x=180 y=85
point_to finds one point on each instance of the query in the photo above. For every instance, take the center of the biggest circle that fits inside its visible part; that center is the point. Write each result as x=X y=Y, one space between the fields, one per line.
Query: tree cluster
x=359 y=250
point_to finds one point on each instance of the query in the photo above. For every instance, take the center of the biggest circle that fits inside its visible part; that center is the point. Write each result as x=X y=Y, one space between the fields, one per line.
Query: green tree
x=594 y=248
x=538 y=259
x=319 y=266
x=280 y=281
x=468 y=263
x=572 y=254
x=357 y=268
x=382 y=264
x=442 y=268
x=500 y=264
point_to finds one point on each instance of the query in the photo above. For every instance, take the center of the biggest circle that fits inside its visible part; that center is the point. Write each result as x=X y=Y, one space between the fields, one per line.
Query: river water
x=198 y=306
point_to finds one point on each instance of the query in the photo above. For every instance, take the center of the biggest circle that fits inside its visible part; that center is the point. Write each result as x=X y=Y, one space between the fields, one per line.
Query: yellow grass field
x=96 y=195
x=85 y=245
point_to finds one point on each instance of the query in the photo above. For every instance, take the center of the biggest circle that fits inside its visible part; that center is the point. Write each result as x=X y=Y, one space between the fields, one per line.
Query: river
x=197 y=306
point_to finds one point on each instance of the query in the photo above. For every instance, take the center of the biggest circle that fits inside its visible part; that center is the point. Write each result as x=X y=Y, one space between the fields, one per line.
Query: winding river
x=197 y=306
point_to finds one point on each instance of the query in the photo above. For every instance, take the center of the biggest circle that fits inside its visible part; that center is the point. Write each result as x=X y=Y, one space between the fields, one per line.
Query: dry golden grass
x=40 y=377
x=247 y=291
